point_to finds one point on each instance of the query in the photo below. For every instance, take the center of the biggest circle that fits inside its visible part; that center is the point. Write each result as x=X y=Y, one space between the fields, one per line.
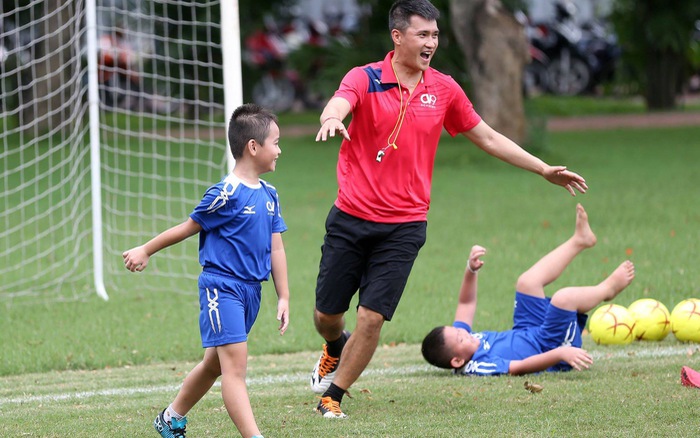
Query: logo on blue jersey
x=474 y=367
x=270 y=208
x=222 y=199
x=249 y=209
x=484 y=343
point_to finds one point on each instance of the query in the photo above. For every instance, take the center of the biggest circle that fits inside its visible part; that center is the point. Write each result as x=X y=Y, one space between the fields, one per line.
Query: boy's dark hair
x=434 y=350
x=402 y=10
x=249 y=121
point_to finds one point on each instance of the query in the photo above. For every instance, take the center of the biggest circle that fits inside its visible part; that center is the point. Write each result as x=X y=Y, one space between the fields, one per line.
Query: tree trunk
x=45 y=103
x=664 y=70
x=496 y=49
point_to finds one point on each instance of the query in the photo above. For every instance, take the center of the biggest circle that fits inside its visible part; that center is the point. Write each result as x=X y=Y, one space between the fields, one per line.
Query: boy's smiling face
x=268 y=152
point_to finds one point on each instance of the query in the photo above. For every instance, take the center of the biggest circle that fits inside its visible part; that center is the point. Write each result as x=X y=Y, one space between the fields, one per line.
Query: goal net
x=112 y=125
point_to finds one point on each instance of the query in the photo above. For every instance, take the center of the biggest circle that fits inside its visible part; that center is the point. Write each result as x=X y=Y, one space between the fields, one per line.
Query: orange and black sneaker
x=330 y=408
x=324 y=370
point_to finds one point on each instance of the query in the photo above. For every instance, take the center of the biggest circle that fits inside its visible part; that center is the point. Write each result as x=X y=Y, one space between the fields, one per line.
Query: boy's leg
x=234 y=361
x=172 y=421
x=584 y=298
x=550 y=267
x=198 y=382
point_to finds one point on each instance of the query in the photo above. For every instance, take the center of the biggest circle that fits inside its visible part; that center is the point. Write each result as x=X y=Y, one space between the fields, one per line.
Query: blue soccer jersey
x=538 y=326
x=237 y=221
x=497 y=349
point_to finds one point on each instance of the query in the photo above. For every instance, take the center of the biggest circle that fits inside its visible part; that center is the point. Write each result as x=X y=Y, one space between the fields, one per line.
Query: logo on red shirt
x=428 y=100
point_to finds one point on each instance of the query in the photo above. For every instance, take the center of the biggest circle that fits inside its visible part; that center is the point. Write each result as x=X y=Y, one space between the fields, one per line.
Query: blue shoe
x=174 y=429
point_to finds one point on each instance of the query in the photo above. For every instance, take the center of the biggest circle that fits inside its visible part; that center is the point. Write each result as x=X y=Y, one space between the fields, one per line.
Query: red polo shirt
x=397 y=189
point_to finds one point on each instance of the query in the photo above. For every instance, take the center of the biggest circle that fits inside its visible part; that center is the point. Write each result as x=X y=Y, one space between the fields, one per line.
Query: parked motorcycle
x=568 y=58
x=268 y=49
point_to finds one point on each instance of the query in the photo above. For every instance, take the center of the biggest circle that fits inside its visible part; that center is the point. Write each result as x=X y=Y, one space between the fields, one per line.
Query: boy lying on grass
x=546 y=333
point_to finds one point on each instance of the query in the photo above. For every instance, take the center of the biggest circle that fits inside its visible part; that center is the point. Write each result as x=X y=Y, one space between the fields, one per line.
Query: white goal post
x=112 y=125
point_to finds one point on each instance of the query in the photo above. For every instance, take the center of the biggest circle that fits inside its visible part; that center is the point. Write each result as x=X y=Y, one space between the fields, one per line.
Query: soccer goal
x=112 y=125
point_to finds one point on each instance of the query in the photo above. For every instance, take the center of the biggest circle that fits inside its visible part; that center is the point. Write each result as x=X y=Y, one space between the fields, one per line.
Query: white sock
x=170 y=413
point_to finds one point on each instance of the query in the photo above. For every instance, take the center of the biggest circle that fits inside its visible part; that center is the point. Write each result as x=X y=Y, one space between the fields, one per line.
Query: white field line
x=302 y=378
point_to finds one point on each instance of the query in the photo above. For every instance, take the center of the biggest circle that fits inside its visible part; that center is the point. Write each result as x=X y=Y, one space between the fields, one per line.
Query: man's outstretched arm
x=498 y=145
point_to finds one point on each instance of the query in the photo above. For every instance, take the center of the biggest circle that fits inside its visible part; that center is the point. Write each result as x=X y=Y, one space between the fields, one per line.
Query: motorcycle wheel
x=274 y=93
x=567 y=76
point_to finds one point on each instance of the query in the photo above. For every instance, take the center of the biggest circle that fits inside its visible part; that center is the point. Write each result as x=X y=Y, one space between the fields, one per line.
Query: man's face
x=419 y=42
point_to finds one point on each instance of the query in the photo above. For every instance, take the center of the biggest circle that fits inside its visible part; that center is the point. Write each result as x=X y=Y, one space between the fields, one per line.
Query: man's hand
x=329 y=128
x=560 y=176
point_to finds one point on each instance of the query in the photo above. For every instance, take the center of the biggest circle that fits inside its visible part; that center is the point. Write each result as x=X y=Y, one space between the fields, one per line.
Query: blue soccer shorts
x=227 y=309
x=551 y=326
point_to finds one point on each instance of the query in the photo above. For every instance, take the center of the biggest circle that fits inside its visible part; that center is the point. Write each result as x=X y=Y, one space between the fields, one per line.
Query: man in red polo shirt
x=378 y=223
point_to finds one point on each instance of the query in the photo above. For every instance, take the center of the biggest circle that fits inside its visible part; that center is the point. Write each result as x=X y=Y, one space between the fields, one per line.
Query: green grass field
x=631 y=391
x=126 y=357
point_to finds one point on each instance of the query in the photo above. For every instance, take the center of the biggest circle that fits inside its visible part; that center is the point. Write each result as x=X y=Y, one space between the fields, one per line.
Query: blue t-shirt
x=497 y=349
x=238 y=221
x=538 y=326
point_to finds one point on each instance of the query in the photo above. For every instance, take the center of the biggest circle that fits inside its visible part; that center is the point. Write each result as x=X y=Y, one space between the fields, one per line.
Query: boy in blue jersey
x=240 y=244
x=546 y=333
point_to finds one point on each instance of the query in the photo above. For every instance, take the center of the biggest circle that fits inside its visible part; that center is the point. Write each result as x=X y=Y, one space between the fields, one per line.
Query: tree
x=656 y=37
x=496 y=51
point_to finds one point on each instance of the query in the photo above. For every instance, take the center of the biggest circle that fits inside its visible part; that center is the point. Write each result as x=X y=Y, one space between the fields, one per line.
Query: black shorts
x=375 y=258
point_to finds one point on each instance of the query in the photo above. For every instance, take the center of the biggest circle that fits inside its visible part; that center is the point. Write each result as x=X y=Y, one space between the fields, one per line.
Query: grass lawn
x=640 y=182
x=630 y=391
x=126 y=357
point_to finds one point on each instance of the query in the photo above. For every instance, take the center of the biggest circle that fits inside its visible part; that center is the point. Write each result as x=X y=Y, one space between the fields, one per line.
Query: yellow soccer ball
x=685 y=320
x=652 y=320
x=611 y=324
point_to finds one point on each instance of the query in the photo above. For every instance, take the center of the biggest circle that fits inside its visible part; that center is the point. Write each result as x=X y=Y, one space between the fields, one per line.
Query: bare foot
x=621 y=277
x=583 y=235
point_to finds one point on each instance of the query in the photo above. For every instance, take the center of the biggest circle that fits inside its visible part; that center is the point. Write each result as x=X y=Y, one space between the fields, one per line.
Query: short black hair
x=402 y=10
x=434 y=350
x=249 y=121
